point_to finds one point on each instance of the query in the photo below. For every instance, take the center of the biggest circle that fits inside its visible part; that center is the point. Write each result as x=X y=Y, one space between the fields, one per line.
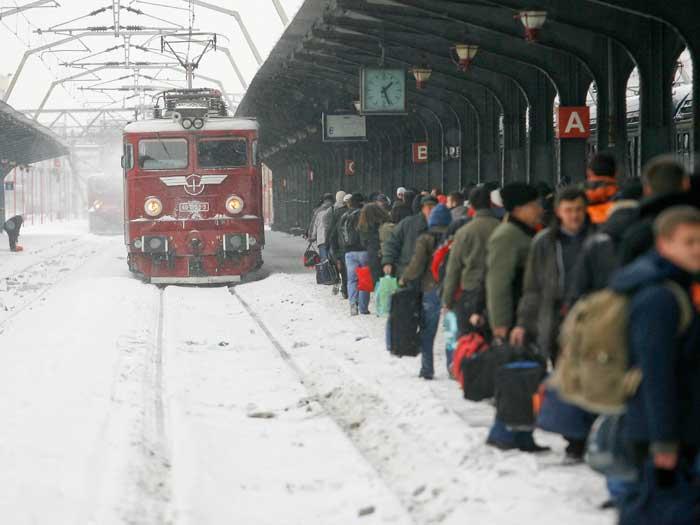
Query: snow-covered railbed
x=424 y=439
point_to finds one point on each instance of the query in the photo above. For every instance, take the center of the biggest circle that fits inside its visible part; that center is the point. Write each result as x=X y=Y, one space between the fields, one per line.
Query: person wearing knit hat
x=516 y=194
x=601 y=185
x=440 y=216
x=419 y=270
x=507 y=253
x=339 y=196
x=347 y=197
x=399 y=192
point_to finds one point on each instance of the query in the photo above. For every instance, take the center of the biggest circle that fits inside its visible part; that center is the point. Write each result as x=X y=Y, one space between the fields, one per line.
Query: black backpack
x=349 y=233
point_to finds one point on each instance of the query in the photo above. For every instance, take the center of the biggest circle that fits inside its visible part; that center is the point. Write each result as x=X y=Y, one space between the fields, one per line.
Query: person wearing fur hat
x=507 y=253
x=418 y=269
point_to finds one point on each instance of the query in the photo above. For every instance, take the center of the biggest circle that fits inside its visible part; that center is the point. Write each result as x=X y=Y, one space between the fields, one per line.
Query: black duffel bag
x=517 y=381
x=479 y=372
x=326 y=273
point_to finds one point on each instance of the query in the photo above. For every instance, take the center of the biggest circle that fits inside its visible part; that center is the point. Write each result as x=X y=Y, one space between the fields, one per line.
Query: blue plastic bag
x=385 y=288
x=451 y=326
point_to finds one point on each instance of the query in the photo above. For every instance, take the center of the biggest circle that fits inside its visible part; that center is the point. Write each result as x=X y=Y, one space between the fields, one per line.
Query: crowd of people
x=518 y=259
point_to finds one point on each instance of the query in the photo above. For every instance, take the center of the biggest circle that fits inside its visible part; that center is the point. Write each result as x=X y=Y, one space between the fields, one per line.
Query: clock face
x=383 y=90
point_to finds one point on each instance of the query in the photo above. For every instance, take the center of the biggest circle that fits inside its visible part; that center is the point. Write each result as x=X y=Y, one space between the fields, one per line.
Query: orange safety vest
x=599 y=195
x=695 y=294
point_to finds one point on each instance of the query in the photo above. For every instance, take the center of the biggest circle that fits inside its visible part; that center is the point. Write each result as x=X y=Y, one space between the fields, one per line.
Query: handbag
x=386 y=286
x=326 y=273
x=364 y=279
x=311 y=257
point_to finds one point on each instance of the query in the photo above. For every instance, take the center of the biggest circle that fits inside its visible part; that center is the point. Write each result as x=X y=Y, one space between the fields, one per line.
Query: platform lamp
x=463 y=54
x=533 y=22
x=357 y=105
x=422 y=74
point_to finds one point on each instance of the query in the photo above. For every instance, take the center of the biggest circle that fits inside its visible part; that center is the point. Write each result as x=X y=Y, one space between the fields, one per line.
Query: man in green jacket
x=463 y=288
x=507 y=253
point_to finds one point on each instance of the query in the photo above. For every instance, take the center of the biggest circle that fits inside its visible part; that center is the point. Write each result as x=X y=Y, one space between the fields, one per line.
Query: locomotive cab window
x=163 y=154
x=222 y=153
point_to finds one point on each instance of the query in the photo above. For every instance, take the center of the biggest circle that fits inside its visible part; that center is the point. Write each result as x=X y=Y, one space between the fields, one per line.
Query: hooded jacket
x=665 y=411
x=322 y=223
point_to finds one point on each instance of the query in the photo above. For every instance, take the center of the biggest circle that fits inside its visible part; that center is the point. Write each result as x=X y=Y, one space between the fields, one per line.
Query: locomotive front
x=193 y=192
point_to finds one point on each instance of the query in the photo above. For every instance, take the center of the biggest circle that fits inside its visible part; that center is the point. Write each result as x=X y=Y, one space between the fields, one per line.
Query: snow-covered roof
x=214 y=124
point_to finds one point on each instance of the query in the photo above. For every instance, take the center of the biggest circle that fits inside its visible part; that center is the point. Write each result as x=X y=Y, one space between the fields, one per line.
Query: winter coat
x=544 y=286
x=665 y=411
x=399 y=248
x=639 y=238
x=419 y=267
x=466 y=266
x=506 y=256
x=599 y=257
x=333 y=237
x=322 y=223
x=384 y=235
x=458 y=212
x=372 y=244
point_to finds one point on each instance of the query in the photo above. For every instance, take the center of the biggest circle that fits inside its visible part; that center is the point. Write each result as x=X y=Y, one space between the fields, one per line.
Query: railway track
x=36 y=287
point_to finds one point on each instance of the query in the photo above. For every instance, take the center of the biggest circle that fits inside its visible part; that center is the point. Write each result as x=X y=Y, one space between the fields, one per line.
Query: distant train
x=683 y=130
x=193 y=192
x=105 y=201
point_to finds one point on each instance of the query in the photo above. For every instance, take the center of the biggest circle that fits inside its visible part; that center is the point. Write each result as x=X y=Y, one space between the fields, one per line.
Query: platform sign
x=420 y=152
x=344 y=128
x=349 y=168
x=573 y=122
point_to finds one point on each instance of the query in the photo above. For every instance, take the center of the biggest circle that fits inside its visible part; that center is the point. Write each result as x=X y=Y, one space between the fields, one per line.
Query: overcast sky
x=17 y=34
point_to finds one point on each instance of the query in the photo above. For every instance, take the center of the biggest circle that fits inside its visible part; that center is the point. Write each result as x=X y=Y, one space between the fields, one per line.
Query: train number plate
x=193 y=207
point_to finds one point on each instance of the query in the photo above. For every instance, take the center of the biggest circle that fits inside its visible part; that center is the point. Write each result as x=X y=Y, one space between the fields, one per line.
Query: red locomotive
x=193 y=192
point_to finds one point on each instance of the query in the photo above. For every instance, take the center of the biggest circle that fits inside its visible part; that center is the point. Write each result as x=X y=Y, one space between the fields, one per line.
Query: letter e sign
x=349 y=168
x=420 y=152
x=573 y=122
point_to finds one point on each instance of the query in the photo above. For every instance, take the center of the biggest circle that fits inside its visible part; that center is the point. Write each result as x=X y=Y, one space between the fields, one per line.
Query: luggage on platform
x=386 y=286
x=311 y=257
x=404 y=322
x=326 y=273
x=364 y=279
x=517 y=384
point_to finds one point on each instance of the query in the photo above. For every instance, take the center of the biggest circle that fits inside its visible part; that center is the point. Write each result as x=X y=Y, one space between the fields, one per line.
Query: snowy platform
x=122 y=403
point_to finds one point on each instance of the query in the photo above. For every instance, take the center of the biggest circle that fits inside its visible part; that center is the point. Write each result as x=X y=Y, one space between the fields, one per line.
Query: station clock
x=382 y=91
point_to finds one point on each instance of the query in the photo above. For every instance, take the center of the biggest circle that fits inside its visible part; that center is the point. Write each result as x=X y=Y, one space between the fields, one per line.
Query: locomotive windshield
x=163 y=154
x=222 y=153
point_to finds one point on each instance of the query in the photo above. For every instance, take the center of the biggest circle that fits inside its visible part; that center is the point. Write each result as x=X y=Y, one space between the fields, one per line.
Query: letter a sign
x=573 y=122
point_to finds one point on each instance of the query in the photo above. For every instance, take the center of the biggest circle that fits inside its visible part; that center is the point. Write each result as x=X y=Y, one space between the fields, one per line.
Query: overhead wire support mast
x=30 y=5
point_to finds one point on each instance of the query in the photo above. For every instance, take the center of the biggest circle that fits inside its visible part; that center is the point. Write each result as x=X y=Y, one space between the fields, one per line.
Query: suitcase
x=326 y=273
x=404 y=322
x=516 y=384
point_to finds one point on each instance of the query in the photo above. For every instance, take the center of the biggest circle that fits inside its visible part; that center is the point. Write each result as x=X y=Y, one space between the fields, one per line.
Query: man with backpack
x=419 y=270
x=507 y=253
x=463 y=288
x=340 y=208
x=662 y=420
x=355 y=254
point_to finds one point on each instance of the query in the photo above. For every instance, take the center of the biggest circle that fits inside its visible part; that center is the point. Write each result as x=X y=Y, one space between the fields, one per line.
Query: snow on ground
x=122 y=403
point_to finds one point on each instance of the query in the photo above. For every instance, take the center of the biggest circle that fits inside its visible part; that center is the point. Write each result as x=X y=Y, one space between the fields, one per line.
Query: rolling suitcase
x=404 y=322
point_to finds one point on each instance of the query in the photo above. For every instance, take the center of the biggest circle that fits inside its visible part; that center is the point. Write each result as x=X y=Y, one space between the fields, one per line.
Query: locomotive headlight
x=186 y=123
x=153 y=207
x=97 y=204
x=234 y=205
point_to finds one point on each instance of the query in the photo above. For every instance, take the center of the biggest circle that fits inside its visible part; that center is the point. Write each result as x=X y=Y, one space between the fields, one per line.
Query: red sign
x=420 y=152
x=573 y=122
x=311 y=174
x=349 y=168
x=56 y=163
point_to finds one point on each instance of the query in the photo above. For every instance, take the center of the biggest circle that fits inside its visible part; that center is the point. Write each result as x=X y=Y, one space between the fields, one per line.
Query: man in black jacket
x=12 y=227
x=666 y=184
